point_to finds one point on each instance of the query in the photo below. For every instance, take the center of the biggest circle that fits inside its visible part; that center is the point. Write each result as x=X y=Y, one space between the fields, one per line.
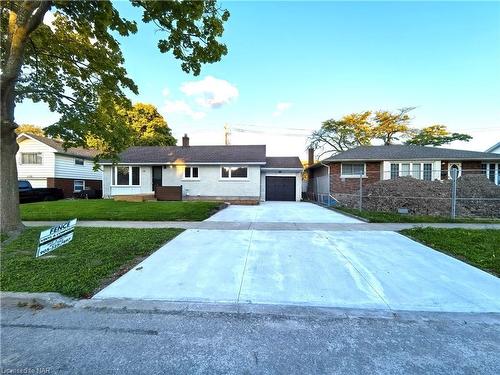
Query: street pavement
x=121 y=341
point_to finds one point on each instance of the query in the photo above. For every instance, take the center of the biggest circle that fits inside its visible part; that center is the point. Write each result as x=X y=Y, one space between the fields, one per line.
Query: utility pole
x=227 y=134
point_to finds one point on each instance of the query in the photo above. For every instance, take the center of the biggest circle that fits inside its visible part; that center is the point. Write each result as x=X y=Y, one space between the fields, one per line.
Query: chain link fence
x=454 y=192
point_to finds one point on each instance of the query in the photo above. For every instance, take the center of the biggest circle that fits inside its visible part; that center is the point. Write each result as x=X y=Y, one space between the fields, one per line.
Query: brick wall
x=67 y=185
x=351 y=185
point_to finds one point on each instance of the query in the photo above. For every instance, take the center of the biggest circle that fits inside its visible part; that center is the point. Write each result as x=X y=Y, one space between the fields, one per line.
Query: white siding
x=209 y=184
x=65 y=167
x=38 y=182
x=35 y=171
x=298 y=182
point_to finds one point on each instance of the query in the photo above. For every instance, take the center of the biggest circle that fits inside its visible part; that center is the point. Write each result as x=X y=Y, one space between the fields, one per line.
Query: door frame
x=153 y=176
x=281 y=176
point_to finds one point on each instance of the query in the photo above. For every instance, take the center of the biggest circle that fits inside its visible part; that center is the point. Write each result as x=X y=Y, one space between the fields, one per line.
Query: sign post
x=55 y=237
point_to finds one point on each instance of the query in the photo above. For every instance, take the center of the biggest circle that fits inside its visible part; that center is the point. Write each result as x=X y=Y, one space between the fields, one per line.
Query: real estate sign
x=55 y=237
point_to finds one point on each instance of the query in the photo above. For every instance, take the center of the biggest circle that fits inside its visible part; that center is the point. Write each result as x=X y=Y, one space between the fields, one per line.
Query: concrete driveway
x=281 y=212
x=376 y=270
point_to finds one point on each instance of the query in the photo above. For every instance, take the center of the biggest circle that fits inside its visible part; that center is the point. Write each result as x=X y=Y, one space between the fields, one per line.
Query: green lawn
x=79 y=268
x=477 y=247
x=390 y=217
x=107 y=209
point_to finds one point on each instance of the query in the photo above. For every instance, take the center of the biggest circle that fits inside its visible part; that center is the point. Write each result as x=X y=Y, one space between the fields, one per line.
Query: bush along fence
x=457 y=193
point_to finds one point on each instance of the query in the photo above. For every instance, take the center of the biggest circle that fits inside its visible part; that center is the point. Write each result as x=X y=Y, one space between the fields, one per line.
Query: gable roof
x=255 y=154
x=58 y=146
x=494 y=147
x=409 y=152
x=286 y=162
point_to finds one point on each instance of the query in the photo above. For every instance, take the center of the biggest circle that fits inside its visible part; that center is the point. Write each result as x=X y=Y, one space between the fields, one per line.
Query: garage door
x=280 y=188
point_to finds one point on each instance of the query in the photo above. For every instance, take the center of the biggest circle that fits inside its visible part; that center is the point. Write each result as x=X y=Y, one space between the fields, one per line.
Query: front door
x=156 y=177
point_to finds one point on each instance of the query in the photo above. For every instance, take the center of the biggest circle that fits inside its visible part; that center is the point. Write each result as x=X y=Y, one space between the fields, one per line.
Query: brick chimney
x=310 y=158
x=185 y=141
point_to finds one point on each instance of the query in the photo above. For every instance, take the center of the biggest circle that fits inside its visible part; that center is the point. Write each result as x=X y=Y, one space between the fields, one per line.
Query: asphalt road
x=91 y=341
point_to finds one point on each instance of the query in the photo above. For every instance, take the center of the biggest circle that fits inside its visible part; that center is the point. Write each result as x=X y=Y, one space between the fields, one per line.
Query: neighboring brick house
x=45 y=163
x=376 y=163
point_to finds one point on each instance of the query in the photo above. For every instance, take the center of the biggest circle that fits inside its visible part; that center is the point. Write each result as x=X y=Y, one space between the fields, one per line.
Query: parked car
x=29 y=194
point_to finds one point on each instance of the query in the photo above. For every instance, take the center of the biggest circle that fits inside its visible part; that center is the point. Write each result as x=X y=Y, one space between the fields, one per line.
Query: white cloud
x=211 y=92
x=165 y=92
x=281 y=107
x=49 y=19
x=180 y=106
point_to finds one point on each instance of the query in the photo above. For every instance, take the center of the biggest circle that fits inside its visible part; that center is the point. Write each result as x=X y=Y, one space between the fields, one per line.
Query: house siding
x=210 y=185
x=65 y=167
x=37 y=173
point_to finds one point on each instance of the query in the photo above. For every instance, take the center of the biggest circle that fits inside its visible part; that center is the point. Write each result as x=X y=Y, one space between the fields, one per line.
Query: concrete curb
x=51 y=299
x=247 y=310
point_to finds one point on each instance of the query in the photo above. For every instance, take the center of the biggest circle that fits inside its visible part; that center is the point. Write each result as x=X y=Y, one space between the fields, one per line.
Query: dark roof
x=194 y=154
x=409 y=152
x=283 y=162
x=495 y=146
x=58 y=146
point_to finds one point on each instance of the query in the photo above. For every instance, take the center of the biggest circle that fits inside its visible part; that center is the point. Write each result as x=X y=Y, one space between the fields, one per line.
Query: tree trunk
x=23 y=20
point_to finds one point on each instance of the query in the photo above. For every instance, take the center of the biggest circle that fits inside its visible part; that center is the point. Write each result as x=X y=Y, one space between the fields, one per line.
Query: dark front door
x=156 y=176
x=280 y=188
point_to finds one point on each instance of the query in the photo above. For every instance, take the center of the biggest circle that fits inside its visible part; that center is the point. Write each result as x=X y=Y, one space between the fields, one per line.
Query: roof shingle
x=85 y=153
x=193 y=154
x=409 y=152
x=283 y=162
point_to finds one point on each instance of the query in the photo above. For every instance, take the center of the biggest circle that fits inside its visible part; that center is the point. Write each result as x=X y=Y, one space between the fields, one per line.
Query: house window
x=415 y=171
x=79 y=162
x=191 y=173
x=394 y=171
x=427 y=171
x=78 y=185
x=31 y=158
x=234 y=172
x=492 y=172
x=352 y=170
x=127 y=176
x=405 y=169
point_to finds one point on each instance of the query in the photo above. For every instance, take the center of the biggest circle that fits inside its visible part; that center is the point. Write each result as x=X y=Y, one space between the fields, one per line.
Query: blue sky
x=292 y=65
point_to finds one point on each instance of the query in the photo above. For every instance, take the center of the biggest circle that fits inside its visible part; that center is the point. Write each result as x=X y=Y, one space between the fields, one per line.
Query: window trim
x=115 y=176
x=342 y=175
x=496 y=171
x=83 y=161
x=32 y=153
x=74 y=184
x=191 y=167
x=411 y=172
x=230 y=177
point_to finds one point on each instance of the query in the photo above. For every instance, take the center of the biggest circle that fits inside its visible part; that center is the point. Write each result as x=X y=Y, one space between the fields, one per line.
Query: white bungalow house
x=45 y=163
x=228 y=173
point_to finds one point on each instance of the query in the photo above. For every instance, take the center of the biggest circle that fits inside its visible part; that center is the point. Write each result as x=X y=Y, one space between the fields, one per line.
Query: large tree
x=142 y=125
x=340 y=135
x=392 y=126
x=75 y=65
x=30 y=129
x=435 y=135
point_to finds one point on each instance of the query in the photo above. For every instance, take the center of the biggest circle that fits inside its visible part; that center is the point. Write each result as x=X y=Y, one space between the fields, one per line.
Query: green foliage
x=76 y=65
x=436 y=135
x=390 y=126
x=30 y=129
x=477 y=247
x=140 y=125
x=80 y=267
x=107 y=209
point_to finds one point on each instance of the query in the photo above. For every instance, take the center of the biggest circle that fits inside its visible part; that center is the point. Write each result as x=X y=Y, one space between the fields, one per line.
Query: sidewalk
x=218 y=225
